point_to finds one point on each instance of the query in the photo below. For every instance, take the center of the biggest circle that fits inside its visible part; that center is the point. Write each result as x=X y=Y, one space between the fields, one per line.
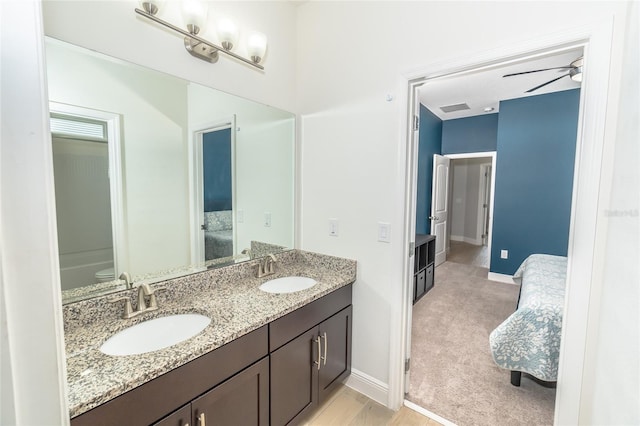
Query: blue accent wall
x=471 y=134
x=216 y=157
x=429 y=143
x=536 y=147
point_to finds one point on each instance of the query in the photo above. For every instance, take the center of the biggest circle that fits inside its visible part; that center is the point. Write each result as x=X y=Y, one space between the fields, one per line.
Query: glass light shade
x=256 y=46
x=194 y=14
x=227 y=33
x=576 y=75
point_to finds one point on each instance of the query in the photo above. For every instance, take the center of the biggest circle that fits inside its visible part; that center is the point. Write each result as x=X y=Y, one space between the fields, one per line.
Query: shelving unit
x=425 y=256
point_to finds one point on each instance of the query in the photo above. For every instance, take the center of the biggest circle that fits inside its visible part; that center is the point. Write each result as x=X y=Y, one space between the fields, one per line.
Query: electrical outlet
x=504 y=254
x=384 y=232
x=333 y=227
x=267 y=219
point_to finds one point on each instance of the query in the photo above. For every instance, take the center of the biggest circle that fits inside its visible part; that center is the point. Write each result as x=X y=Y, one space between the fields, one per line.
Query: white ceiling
x=486 y=87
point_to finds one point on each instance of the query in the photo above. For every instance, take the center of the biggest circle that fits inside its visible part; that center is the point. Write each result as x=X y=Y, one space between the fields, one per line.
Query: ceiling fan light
x=575 y=73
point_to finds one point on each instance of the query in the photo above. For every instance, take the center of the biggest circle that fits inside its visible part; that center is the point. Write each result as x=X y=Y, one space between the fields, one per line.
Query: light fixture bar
x=195 y=37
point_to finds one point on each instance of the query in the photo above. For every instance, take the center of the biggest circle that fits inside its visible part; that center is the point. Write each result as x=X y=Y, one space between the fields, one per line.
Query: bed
x=529 y=340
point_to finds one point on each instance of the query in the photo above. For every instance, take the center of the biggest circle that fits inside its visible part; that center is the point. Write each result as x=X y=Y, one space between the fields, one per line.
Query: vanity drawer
x=154 y=400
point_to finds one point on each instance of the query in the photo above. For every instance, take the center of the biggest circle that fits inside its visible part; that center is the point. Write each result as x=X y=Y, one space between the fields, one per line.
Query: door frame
x=493 y=156
x=196 y=201
x=583 y=252
x=486 y=217
x=116 y=173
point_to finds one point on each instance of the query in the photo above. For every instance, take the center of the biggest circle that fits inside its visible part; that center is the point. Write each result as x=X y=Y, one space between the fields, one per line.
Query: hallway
x=468 y=254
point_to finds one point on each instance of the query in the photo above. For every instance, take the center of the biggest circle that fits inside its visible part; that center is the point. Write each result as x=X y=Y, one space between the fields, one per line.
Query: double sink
x=163 y=332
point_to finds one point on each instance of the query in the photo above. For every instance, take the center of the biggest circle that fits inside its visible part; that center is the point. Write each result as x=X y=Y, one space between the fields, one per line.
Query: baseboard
x=503 y=278
x=368 y=386
x=468 y=240
x=425 y=412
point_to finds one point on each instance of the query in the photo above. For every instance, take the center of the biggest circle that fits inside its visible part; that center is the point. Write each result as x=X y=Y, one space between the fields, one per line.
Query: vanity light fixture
x=194 y=14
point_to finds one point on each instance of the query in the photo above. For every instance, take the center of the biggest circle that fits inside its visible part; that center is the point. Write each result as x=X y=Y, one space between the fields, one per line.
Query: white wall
x=457 y=214
x=32 y=362
x=466 y=174
x=352 y=160
x=153 y=111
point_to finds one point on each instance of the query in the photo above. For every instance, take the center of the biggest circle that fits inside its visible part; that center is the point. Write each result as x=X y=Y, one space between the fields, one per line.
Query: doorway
x=596 y=41
x=88 y=195
x=213 y=176
x=471 y=208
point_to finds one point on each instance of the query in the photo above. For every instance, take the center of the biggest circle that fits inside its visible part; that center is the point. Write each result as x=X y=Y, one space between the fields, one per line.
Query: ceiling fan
x=575 y=73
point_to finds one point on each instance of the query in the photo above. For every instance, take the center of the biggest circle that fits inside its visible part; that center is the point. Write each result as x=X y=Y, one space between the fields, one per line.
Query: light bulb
x=194 y=14
x=227 y=33
x=256 y=46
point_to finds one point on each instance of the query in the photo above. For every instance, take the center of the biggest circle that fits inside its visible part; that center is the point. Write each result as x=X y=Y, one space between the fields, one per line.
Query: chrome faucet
x=144 y=291
x=267 y=266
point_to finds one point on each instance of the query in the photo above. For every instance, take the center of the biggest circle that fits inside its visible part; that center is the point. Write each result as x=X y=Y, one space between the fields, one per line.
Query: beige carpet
x=452 y=372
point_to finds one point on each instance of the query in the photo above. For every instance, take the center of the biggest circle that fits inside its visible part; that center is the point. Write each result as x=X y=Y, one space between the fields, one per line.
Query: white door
x=439 y=205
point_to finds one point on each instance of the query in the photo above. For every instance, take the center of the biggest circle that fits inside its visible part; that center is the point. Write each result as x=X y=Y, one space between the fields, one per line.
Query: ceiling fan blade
x=544 y=69
x=548 y=82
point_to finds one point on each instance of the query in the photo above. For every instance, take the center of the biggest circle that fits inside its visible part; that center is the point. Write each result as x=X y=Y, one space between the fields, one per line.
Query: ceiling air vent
x=456 y=107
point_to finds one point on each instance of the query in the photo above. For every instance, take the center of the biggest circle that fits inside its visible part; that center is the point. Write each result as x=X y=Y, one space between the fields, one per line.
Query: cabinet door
x=181 y=417
x=241 y=400
x=294 y=379
x=335 y=337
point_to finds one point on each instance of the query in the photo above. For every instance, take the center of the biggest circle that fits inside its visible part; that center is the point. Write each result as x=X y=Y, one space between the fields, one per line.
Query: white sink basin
x=155 y=334
x=288 y=284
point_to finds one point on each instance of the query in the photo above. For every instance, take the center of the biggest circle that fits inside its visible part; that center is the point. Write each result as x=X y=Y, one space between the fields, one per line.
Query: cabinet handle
x=203 y=421
x=324 y=358
x=317 y=340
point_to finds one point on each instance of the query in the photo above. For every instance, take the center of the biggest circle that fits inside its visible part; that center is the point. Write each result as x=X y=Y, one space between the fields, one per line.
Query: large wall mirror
x=160 y=177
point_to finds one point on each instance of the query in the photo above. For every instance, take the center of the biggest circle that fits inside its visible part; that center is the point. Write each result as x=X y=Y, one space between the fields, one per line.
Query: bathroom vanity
x=264 y=359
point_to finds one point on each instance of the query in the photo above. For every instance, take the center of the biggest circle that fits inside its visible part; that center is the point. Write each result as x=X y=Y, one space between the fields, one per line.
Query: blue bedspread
x=529 y=340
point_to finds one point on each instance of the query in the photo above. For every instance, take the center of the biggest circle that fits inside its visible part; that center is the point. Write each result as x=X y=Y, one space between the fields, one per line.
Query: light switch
x=267 y=219
x=240 y=216
x=504 y=254
x=384 y=232
x=333 y=227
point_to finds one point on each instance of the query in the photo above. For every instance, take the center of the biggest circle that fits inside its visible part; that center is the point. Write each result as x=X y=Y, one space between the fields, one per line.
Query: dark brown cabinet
x=308 y=368
x=219 y=371
x=241 y=400
x=273 y=375
x=424 y=261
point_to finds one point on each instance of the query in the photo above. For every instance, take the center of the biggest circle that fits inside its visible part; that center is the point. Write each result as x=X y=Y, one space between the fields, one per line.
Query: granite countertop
x=229 y=296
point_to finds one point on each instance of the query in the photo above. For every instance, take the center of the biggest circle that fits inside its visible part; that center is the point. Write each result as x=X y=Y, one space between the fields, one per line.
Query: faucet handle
x=128 y=309
x=271 y=263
